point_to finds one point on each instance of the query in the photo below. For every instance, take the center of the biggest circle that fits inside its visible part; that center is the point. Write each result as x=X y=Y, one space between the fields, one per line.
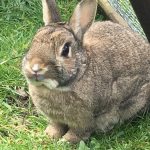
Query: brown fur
x=104 y=82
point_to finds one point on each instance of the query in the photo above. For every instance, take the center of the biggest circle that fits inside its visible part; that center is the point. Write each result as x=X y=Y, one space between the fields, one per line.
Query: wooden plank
x=142 y=10
x=111 y=13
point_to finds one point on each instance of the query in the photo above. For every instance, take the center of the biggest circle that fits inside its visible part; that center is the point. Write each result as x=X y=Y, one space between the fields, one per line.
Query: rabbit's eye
x=66 y=50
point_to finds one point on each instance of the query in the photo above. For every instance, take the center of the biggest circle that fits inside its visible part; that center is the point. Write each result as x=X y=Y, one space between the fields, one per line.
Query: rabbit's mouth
x=34 y=77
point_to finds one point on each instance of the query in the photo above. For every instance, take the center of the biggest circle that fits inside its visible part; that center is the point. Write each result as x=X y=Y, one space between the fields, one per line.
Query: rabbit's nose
x=36 y=68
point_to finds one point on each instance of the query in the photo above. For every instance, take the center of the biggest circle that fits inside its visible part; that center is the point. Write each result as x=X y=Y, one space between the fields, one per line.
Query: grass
x=21 y=128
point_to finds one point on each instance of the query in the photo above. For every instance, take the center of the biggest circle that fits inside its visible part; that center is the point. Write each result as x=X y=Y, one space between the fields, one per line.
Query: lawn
x=21 y=127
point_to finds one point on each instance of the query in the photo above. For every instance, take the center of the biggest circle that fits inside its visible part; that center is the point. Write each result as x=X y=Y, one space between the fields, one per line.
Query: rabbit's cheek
x=69 y=65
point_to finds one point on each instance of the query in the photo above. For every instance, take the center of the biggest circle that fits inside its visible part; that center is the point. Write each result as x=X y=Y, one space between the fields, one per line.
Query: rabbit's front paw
x=56 y=130
x=75 y=136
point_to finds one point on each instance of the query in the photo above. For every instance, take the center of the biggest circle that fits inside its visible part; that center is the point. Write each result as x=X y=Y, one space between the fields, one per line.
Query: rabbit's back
x=127 y=52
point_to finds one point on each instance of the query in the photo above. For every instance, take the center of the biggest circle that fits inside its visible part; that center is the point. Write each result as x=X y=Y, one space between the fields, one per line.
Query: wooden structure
x=111 y=13
x=141 y=8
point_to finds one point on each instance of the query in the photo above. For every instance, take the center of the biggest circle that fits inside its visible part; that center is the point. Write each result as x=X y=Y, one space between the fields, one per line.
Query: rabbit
x=86 y=76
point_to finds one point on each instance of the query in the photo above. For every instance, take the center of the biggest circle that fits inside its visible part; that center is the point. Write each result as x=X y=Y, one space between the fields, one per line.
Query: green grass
x=21 y=128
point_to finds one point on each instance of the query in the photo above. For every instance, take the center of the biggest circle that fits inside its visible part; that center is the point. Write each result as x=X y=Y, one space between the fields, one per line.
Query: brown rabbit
x=86 y=76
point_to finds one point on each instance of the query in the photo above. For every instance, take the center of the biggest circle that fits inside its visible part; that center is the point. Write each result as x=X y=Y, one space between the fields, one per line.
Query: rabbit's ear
x=50 y=12
x=83 y=17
